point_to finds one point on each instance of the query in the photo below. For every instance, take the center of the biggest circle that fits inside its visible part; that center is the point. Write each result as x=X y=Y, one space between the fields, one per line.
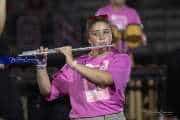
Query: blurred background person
x=2 y=14
x=121 y=15
x=2 y=23
x=10 y=106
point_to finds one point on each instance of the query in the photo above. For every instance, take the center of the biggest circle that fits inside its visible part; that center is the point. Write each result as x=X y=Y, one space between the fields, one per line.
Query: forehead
x=116 y=0
x=100 y=25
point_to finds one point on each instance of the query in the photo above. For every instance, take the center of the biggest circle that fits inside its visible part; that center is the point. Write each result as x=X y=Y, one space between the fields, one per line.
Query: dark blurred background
x=55 y=23
x=60 y=22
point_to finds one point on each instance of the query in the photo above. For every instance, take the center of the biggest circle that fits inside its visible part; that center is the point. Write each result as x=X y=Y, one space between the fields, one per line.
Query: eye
x=94 y=34
x=107 y=32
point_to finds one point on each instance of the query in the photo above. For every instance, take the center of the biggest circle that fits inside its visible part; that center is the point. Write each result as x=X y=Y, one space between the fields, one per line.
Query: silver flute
x=53 y=51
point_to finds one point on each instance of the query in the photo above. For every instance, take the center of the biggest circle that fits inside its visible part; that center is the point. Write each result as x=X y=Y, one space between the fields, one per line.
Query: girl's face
x=100 y=34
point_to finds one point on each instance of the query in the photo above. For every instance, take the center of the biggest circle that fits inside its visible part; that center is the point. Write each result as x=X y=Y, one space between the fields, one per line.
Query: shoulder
x=131 y=10
x=120 y=61
x=120 y=56
x=103 y=10
x=115 y=55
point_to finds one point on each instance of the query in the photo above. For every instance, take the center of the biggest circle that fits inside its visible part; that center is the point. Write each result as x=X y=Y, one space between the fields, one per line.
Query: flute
x=53 y=51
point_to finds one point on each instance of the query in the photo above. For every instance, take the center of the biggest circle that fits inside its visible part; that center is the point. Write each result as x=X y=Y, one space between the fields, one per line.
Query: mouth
x=103 y=43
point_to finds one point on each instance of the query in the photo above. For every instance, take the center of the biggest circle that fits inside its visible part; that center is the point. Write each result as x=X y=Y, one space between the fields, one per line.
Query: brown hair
x=94 y=19
x=116 y=35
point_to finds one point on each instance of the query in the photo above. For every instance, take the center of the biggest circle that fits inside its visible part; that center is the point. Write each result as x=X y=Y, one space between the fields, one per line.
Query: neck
x=117 y=6
x=96 y=53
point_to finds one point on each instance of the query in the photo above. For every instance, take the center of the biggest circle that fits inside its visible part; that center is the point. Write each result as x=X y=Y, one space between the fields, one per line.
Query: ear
x=89 y=41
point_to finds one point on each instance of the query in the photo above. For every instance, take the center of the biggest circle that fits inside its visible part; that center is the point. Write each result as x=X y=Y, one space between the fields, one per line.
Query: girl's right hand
x=42 y=59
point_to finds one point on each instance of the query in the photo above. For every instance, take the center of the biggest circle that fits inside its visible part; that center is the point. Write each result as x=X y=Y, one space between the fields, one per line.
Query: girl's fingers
x=41 y=49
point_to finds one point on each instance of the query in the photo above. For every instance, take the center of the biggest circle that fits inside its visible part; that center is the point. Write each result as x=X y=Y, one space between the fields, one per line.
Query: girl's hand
x=67 y=51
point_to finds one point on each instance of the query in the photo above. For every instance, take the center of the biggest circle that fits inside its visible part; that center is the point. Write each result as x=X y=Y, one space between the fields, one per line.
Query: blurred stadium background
x=153 y=89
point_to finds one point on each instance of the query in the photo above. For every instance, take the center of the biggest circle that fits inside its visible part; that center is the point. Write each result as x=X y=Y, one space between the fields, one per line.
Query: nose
x=101 y=36
x=102 y=42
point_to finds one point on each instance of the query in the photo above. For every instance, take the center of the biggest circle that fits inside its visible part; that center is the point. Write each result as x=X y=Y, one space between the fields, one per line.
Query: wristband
x=40 y=67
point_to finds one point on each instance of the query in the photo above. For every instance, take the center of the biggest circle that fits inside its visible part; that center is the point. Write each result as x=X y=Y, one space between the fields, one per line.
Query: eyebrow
x=100 y=30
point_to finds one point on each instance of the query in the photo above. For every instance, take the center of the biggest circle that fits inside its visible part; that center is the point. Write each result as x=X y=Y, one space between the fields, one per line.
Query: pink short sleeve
x=133 y=17
x=59 y=85
x=100 y=11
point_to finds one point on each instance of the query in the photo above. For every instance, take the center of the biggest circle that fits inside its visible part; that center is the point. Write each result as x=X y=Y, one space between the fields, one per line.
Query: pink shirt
x=88 y=99
x=120 y=17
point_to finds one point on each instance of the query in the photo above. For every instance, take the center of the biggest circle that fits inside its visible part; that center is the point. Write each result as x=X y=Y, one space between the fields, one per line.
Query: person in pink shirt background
x=121 y=15
x=95 y=81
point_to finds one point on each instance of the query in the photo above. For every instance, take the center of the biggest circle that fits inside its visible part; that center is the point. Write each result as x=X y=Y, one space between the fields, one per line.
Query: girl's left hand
x=67 y=51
